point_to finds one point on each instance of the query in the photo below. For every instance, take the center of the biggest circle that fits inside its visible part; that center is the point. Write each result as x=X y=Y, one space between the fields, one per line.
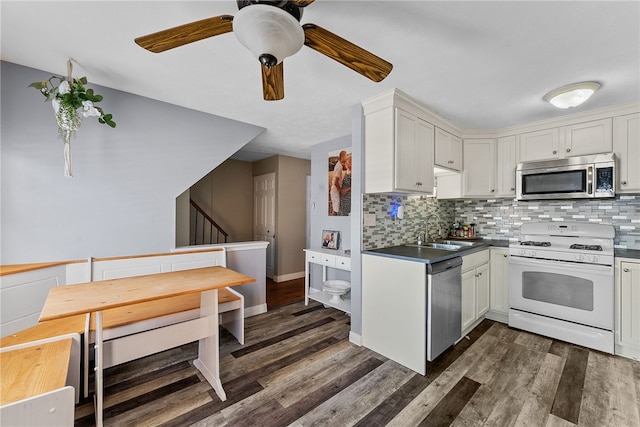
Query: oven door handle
x=532 y=262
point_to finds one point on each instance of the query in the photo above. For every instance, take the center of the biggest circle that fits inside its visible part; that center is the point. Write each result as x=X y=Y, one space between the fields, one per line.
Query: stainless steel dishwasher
x=444 y=305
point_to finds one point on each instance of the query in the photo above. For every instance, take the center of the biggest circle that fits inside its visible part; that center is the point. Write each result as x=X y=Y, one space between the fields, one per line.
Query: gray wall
x=122 y=199
x=226 y=193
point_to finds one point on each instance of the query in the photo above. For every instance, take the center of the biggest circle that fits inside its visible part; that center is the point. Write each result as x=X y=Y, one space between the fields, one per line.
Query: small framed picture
x=330 y=239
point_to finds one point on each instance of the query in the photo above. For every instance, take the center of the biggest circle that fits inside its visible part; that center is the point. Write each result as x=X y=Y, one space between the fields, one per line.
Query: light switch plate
x=369 y=220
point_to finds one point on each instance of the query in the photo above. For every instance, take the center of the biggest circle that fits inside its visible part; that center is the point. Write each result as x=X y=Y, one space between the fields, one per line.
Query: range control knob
x=579 y=257
x=593 y=258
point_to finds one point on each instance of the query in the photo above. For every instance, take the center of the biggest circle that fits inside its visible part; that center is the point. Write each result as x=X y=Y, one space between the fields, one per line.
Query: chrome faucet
x=426 y=226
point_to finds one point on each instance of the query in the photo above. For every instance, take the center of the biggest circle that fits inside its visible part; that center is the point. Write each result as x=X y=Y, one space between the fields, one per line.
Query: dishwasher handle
x=439 y=267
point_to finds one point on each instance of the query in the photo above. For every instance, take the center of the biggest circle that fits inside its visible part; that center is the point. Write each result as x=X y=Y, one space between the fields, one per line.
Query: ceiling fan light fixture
x=268 y=32
x=571 y=95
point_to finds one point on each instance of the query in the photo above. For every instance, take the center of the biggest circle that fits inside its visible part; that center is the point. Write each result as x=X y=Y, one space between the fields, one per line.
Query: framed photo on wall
x=330 y=239
x=340 y=182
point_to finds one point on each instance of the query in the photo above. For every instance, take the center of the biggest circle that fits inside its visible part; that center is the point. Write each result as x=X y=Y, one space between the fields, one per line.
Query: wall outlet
x=369 y=220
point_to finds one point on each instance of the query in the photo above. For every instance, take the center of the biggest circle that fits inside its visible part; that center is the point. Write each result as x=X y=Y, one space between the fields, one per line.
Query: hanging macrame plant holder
x=71 y=101
x=69 y=121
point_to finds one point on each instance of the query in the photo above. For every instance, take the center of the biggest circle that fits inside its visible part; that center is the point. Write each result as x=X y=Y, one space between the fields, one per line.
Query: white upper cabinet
x=588 y=138
x=626 y=146
x=448 y=150
x=539 y=145
x=414 y=154
x=580 y=139
x=507 y=155
x=479 y=168
x=399 y=146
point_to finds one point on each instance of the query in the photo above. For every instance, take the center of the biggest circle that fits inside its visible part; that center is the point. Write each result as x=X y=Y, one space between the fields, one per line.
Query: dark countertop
x=425 y=255
x=430 y=255
x=627 y=253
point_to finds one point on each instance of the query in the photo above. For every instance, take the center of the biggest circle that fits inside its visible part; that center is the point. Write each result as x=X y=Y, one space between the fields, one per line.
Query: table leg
x=208 y=361
x=98 y=369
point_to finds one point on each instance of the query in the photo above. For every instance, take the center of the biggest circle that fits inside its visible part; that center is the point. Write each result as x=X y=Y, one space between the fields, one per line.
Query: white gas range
x=562 y=282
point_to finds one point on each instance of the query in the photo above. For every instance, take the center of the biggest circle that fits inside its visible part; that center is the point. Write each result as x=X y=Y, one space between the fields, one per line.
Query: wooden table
x=94 y=297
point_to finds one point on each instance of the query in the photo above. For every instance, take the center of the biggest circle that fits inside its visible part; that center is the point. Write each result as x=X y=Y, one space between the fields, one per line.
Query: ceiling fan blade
x=346 y=53
x=302 y=3
x=273 y=82
x=185 y=34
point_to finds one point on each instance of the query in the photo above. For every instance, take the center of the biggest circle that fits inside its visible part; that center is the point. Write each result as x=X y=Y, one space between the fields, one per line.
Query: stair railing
x=206 y=223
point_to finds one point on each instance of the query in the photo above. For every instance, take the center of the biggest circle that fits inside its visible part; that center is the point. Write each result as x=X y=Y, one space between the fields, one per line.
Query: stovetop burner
x=586 y=247
x=533 y=243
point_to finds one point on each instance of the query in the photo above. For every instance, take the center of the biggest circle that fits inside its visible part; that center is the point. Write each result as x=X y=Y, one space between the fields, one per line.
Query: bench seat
x=35 y=384
x=49 y=329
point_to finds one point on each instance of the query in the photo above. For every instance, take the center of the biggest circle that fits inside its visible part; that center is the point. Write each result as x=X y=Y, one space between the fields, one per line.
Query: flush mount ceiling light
x=571 y=95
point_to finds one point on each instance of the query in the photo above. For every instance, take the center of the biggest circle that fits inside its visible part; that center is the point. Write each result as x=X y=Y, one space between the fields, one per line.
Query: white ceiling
x=483 y=65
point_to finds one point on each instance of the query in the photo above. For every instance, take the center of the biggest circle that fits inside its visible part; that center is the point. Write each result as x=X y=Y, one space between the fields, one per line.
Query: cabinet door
x=628 y=313
x=468 y=298
x=448 y=186
x=482 y=290
x=588 y=138
x=539 y=145
x=414 y=153
x=478 y=173
x=499 y=275
x=506 y=166
x=626 y=145
x=448 y=150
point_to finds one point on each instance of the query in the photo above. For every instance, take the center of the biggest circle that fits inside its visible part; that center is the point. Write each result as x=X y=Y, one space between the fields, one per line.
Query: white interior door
x=264 y=215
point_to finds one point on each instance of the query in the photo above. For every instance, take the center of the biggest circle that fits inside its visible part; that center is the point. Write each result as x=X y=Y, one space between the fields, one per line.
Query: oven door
x=576 y=292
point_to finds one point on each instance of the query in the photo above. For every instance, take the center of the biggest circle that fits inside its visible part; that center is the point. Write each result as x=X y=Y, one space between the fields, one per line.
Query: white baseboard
x=355 y=338
x=255 y=310
x=290 y=276
x=497 y=316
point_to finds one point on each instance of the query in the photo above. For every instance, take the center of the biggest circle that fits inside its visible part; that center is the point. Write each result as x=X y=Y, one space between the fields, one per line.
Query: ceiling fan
x=271 y=30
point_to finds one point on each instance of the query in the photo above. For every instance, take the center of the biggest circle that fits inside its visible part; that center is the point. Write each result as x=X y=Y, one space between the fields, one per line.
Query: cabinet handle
x=555 y=152
x=568 y=150
x=418 y=184
x=624 y=183
x=493 y=191
x=512 y=189
x=626 y=270
x=450 y=162
x=505 y=255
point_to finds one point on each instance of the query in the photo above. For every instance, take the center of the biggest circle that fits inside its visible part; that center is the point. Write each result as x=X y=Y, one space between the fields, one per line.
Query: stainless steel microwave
x=582 y=177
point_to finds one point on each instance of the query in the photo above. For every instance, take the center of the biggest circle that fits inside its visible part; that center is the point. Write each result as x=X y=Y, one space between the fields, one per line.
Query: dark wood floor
x=298 y=368
x=280 y=293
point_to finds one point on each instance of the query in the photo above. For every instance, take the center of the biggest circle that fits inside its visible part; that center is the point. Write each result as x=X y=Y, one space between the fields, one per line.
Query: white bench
x=123 y=325
x=40 y=382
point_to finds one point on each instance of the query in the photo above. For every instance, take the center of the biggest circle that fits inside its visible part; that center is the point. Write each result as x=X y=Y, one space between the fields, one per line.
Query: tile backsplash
x=391 y=232
x=495 y=218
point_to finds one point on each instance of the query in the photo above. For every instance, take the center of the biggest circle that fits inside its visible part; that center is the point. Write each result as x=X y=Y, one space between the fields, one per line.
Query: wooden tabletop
x=31 y=371
x=69 y=300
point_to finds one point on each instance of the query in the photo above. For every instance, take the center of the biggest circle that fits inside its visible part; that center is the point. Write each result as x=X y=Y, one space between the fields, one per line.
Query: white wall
x=122 y=199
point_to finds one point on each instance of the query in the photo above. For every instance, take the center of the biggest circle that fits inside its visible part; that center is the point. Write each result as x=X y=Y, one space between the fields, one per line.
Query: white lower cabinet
x=499 y=288
x=394 y=310
x=475 y=289
x=627 y=317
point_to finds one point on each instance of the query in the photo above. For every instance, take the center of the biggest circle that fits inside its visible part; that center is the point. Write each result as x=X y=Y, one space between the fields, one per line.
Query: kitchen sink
x=455 y=242
x=447 y=245
x=444 y=246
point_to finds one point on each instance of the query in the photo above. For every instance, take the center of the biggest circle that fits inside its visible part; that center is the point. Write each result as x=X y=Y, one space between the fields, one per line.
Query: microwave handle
x=590 y=180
